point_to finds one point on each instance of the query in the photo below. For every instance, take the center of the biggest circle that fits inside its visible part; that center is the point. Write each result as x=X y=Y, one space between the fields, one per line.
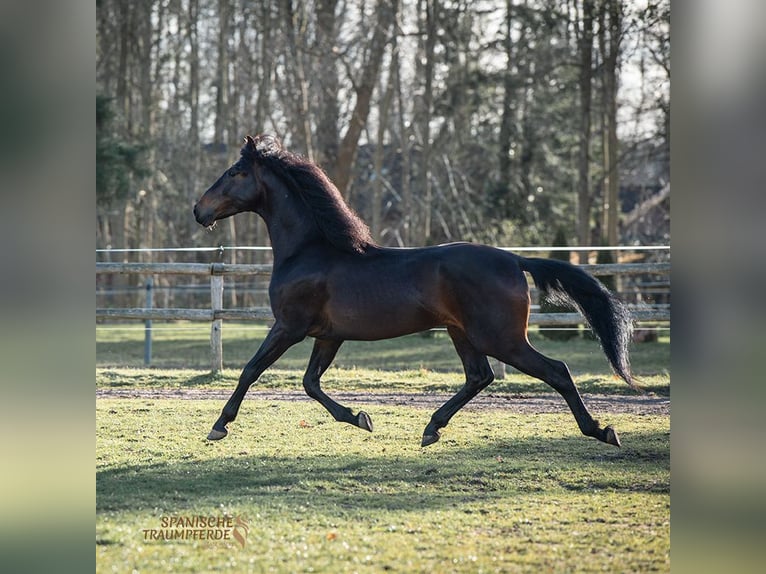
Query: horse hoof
x=610 y=436
x=429 y=439
x=215 y=434
x=363 y=421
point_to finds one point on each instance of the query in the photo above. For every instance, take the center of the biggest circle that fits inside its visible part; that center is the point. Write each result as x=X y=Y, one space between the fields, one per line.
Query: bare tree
x=585 y=81
x=222 y=72
x=327 y=83
x=385 y=16
x=430 y=9
x=379 y=154
x=297 y=87
x=609 y=37
x=403 y=232
x=468 y=111
x=506 y=122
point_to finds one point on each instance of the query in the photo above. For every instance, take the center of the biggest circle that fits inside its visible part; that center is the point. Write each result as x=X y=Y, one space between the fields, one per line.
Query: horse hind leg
x=478 y=375
x=321 y=356
x=555 y=373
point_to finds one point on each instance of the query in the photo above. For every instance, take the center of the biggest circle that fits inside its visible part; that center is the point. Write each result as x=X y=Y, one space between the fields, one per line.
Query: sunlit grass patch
x=500 y=491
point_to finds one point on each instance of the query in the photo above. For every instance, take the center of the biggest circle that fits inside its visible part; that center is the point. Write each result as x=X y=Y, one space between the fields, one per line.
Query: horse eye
x=233 y=172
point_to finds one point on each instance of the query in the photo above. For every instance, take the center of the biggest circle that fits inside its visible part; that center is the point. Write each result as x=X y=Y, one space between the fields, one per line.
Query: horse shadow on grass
x=336 y=483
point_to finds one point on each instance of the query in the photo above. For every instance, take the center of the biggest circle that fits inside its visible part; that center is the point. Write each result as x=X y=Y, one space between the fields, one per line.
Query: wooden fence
x=216 y=313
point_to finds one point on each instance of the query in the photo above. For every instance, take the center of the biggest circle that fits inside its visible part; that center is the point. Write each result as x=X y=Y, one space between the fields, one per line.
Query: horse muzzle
x=204 y=217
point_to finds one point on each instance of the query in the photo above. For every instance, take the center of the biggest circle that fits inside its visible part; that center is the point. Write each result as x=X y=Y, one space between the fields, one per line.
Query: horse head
x=238 y=189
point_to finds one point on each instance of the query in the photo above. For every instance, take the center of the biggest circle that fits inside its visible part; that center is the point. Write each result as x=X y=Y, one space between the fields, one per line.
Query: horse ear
x=249 y=142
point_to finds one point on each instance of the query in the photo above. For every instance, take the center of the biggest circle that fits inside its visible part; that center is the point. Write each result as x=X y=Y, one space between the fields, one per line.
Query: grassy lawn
x=413 y=363
x=499 y=493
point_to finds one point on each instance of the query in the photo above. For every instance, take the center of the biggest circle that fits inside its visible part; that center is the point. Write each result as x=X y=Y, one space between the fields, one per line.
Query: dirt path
x=537 y=403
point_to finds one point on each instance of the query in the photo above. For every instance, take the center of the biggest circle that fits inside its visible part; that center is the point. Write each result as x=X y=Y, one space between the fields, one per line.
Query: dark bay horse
x=330 y=281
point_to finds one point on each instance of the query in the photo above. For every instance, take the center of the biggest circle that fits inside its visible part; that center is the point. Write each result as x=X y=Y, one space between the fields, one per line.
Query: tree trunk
x=193 y=37
x=123 y=96
x=431 y=7
x=610 y=29
x=377 y=187
x=404 y=152
x=302 y=114
x=146 y=210
x=506 y=121
x=585 y=80
x=327 y=84
x=265 y=60
x=222 y=73
x=385 y=15
x=194 y=151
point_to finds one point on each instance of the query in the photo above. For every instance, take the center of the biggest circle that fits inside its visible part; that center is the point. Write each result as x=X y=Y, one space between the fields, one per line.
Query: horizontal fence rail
x=216 y=313
x=144 y=313
x=264 y=314
x=264 y=269
x=261 y=269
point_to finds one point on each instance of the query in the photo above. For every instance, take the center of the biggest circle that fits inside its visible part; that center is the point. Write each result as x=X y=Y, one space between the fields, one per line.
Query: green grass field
x=501 y=492
x=405 y=361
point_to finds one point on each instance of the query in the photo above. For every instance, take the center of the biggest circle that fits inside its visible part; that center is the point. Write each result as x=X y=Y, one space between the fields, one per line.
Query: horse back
x=392 y=292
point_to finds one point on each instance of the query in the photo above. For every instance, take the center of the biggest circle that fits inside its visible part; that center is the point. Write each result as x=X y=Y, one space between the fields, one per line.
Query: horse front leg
x=274 y=345
x=321 y=356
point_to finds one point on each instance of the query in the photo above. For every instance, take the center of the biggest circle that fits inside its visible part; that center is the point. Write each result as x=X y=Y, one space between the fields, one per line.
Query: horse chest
x=297 y=300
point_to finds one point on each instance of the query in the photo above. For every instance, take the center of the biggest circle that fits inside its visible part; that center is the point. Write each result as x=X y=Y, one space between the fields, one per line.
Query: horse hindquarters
x=497 y=326
x=479 y=308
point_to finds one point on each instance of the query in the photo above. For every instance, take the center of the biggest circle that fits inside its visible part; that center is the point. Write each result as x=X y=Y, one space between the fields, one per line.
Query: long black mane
x=336 y=221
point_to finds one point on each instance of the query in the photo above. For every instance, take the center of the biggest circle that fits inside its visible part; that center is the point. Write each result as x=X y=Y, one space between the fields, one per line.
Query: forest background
x=498 y=122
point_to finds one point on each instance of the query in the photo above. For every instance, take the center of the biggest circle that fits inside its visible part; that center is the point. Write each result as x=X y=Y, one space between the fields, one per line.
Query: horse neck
x=291 y=227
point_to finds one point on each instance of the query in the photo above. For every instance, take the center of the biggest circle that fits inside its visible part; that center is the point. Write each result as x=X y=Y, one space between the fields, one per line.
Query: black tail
x=610 y=320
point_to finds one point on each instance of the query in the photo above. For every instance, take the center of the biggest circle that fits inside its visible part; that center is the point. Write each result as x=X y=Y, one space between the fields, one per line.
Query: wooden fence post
x=148 y=324
x=498 y=368
x=216 y=339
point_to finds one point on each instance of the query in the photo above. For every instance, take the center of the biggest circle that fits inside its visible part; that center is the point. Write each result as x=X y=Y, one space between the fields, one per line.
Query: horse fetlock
x=228 y=415
x=590 y=427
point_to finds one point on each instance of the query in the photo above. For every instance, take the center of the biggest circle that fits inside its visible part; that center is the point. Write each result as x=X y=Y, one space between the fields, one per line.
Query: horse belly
x=372 y=312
